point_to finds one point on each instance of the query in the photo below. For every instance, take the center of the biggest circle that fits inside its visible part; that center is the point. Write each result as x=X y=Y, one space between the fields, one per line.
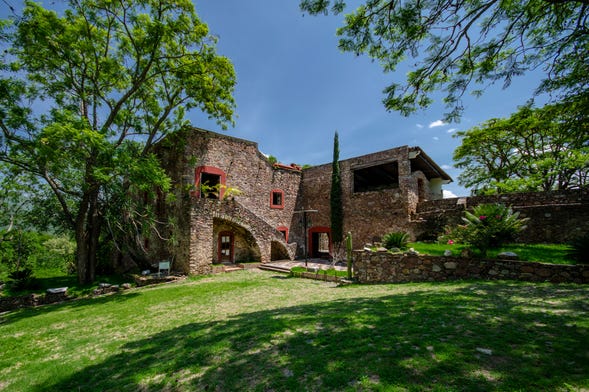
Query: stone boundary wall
x=385 y=267
x=25 y=301
x=555 y=217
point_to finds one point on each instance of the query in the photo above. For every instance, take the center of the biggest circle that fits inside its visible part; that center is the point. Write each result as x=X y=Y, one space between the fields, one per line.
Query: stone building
x=233 y=205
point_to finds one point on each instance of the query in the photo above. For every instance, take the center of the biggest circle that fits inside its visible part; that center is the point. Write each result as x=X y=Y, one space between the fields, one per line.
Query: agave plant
x=395 y=239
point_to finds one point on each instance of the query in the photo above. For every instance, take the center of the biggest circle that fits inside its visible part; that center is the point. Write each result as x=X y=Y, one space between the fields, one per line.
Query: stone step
x=274 y=268
x=232 y=269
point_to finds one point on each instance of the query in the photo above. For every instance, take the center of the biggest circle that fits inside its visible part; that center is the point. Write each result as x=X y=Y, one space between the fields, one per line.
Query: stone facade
x=372 y=207
x=384 y=267
x=399 y=189
x=252 y=209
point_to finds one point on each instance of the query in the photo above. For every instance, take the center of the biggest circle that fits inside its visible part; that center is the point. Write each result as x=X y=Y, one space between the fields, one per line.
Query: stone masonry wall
x=555 y=217
x=245 y=168
x=368 y=215
x=384 y=267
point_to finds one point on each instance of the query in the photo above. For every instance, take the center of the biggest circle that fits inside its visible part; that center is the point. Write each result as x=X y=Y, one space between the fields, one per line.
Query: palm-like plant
x=491 y=225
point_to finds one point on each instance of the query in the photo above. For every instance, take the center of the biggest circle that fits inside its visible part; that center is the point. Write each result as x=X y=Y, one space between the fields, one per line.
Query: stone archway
x=244 y=247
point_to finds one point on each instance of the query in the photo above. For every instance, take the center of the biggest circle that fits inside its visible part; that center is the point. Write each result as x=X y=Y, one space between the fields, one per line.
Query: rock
x=412 y=251
x=104 y=285
x=450 y=265
x=126 y=286
x=508 y=256
x=447 y=252
x=145 y=272
x=394 y=250
x=436 y=268
x=57 y=290
x=485 y=351
x=381 y=249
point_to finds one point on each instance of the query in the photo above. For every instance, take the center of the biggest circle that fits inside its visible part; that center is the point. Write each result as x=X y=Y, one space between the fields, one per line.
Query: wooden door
x=226 y=247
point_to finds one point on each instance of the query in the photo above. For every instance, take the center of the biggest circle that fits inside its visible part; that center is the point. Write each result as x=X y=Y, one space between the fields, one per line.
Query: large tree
x=461 y=46
x=535 y=149
x=86 y=92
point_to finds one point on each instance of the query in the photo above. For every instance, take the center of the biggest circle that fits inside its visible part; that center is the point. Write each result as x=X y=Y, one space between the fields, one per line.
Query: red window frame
x=209 y=170
x=272 y=204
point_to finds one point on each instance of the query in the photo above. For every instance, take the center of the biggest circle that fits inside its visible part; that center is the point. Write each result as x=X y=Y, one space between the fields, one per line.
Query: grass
x=46 y=278
x=548 y=253
x=329 y=272
x=259 y=331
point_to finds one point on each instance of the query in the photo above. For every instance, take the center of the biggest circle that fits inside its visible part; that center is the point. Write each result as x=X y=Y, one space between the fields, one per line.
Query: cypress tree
x=337 y=209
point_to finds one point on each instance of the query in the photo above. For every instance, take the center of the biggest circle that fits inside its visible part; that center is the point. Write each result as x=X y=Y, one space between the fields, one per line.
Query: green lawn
x=547 y=253
x=255 y=330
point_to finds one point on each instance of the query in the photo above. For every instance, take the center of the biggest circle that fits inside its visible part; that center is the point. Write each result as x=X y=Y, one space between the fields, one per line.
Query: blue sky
x=295 y=89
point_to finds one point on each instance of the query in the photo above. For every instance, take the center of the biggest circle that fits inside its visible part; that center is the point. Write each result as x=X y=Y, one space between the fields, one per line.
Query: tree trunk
x=87 y=238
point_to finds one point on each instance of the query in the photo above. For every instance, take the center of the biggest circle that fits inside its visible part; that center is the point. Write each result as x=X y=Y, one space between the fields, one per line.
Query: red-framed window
x=212 y=177
x=277 y=198
x=284 y=231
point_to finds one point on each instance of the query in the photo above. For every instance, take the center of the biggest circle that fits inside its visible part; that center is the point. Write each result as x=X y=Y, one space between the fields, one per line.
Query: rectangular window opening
x=376 y=178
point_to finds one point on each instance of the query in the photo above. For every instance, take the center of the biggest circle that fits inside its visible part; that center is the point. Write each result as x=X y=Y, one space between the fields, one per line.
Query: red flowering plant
x=489 y=226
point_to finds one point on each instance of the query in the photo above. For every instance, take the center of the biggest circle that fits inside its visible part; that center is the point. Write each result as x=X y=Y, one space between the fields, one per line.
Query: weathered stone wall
x=384 y=267
x=245 y=169
x=23 y=301
x=368 y=215
x=555 y=217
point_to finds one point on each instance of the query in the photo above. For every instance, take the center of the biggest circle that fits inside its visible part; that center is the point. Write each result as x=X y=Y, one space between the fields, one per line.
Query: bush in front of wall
x=395 y=239
x=580 y=249
x=489 y=226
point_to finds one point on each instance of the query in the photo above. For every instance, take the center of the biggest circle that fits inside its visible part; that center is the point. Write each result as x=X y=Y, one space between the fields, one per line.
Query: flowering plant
x=490 y=225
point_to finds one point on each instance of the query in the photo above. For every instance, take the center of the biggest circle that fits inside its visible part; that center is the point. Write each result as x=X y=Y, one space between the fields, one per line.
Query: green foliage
x=455 y=47
x=335 y=196
x=23 y=279
x=489 y=226
x=395 y=239
x=86 y=92
x=535 y=149
x=208 y=191
x=349 y=257
x=580 y=249
x=272 y=159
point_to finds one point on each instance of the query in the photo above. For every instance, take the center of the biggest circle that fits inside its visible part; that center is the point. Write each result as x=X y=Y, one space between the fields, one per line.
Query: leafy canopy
x=459 y=46
x=535 y=149
x=86 y=93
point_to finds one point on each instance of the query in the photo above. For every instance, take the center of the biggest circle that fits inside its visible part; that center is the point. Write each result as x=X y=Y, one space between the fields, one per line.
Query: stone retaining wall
x=23 y=301
x=384 y=267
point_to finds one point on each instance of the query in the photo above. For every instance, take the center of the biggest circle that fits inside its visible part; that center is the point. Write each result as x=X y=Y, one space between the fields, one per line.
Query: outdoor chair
x=163 y=266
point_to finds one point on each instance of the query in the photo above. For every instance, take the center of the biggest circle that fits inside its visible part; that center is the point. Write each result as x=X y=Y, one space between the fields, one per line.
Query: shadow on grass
x=30 y=312
x=478 y=337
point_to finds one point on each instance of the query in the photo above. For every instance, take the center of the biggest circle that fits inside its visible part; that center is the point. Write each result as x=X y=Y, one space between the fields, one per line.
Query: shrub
x=395 y=239
x=489 y=226
x=580 y=249
x=23 y=279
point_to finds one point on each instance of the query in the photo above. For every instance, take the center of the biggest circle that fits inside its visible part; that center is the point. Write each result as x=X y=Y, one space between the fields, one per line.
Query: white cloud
x=451 y=130
x=437 y=123
x=448 y=194
x=436 y=138
x=419 y=125
x=446 y=167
